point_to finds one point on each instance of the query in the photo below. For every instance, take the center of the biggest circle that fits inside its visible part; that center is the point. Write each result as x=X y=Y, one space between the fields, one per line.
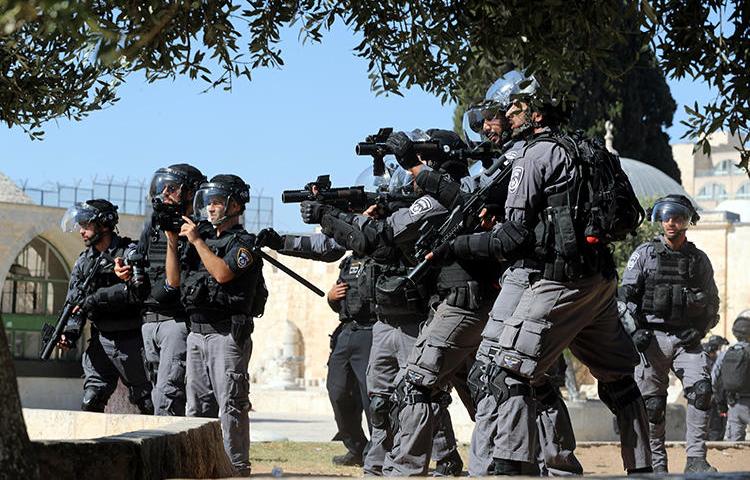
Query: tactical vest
x=120 y=317
x=360 y=274
x=205 y=299
x=156 y=253
x=735 y=370
x=465 y=284
x=664 y=290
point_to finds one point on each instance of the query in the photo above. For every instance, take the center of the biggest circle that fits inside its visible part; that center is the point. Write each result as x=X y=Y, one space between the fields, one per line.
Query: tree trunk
x=16 y=456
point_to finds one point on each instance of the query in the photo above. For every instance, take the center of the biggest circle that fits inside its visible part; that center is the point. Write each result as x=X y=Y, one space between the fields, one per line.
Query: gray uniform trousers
x=446 y=346
x=738 y=418
x=557 y=441
x=549 y=317
x=652 y=375
x=164 y=350
x=391 y=346
x=113 y=356
x=218 y=385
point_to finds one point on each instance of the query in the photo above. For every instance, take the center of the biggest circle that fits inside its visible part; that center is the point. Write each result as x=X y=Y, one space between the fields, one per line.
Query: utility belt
x=560 y=270
x=153 y=317
x=397 y=320
x=210 y=322
x=359 y=324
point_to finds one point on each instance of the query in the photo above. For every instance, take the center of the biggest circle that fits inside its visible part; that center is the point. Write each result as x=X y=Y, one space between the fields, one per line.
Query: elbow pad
x=345 y=234
x=512 y=239
x=447 y=192
x=479 y=246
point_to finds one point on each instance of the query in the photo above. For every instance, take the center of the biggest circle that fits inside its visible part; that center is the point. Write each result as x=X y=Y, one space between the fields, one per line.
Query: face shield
x=211 y=203
x=167 y=186
x=374 y=183
x=677 y=213
x=473 y=125
x=476 y=169
x=401 y=182
x=78 y=215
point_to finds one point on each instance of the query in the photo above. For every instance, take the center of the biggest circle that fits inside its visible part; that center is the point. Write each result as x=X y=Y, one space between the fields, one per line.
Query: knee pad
x=476 y=381
x=380 y=408
x=656 y=408
x=451 y=466
x=407 y=393
x=93 y=401
x=699 y=395
x=619 y=394
x=442 y=398
x=499 y=388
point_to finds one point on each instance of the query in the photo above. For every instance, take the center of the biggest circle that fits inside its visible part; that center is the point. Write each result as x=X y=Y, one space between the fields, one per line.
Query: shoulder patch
x=422 y=205
x=244 y=258
x=515 y=179
x=633 y=258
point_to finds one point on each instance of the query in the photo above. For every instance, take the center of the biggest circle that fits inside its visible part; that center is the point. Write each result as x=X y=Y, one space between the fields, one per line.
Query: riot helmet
x=478 y=118
x=677 y=208
x=529 y=97
x=213 y=200
x=98 y=212
x=741 y=326
x=180 y=180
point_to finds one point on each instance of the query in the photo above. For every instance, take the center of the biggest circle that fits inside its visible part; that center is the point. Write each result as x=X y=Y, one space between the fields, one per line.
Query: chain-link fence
x=131 y=197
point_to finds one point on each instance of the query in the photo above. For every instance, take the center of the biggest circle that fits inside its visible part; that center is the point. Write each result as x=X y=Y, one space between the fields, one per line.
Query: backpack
x=735 y=370
x=609 y=207
x=261 y=295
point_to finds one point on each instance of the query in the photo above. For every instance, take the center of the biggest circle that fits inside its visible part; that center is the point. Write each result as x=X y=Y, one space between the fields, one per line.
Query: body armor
x=360 y=274
x=665 y=290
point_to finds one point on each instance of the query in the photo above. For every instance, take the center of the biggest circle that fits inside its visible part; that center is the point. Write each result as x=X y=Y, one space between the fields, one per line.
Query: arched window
x=743 y=191
x=726 y=167
x=33 y=293
x=712 y=191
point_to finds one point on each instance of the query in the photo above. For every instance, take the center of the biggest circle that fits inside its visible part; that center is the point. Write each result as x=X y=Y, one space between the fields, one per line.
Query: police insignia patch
x=421 y=206
x=515 y=179
x=633 y=258
x=510 y=362
x=244 y=258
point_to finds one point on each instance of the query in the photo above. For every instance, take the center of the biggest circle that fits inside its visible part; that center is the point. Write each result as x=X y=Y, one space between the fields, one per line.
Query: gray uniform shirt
x=643 y=263
x=474 y=182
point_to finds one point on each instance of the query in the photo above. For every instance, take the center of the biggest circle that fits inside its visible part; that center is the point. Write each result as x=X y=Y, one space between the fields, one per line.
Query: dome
x=650 y=182
x=740 y=207
x=10 y=193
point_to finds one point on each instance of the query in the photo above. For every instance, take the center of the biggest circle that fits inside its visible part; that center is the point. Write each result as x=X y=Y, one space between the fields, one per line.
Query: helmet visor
x=676 y=212
x=166 y=186
x=401 y=182
x=211 y=203
x=76 y=216
x=374 y=183
x=473 y=125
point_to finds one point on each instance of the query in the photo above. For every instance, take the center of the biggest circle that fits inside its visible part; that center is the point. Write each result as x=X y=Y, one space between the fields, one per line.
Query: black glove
x=88 y=304
x=242 y=327
x=443 y=253
x=642 y=339
x=403 y=149
x=689 y=338
x=72 y=329
x=268 y=237
x=312 y=212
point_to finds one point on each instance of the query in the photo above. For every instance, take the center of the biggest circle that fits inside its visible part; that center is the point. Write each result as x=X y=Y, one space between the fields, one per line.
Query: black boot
x=451 y=466
x=348 y=460
x=698 y=465
x=501 y=466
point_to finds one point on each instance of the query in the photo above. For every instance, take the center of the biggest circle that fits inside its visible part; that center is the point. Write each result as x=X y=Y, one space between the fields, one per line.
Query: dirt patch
x=313 y=459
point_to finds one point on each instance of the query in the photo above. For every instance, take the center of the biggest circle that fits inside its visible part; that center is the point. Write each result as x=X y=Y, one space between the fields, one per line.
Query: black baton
x=290 y=272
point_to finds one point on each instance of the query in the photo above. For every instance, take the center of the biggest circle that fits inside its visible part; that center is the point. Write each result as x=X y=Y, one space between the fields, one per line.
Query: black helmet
x=714 y=343
x=179 y=175
x=671 y=206
x=741 y=326
x=98 y=211
x=224 y=187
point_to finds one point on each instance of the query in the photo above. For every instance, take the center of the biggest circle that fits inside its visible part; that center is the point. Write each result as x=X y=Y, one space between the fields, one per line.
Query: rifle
x=51 y=335
x=464 y=218
x=349 y=199
x=375 y=146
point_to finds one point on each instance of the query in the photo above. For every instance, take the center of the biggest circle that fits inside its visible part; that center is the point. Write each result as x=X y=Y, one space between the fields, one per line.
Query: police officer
x=549 y=302
x=164 y=329
x=222 y=289
x=717 y=415
x=556 y=437
x=441 y=355
x=669 y=289
x=732 y=376
x=114 y=350
x=350 y=297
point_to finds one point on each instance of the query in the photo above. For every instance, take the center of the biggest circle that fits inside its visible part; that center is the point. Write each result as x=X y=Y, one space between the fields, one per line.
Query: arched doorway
x=33 y=293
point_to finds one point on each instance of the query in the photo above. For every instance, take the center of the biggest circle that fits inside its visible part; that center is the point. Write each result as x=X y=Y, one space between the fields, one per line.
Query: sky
x=278 y=132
